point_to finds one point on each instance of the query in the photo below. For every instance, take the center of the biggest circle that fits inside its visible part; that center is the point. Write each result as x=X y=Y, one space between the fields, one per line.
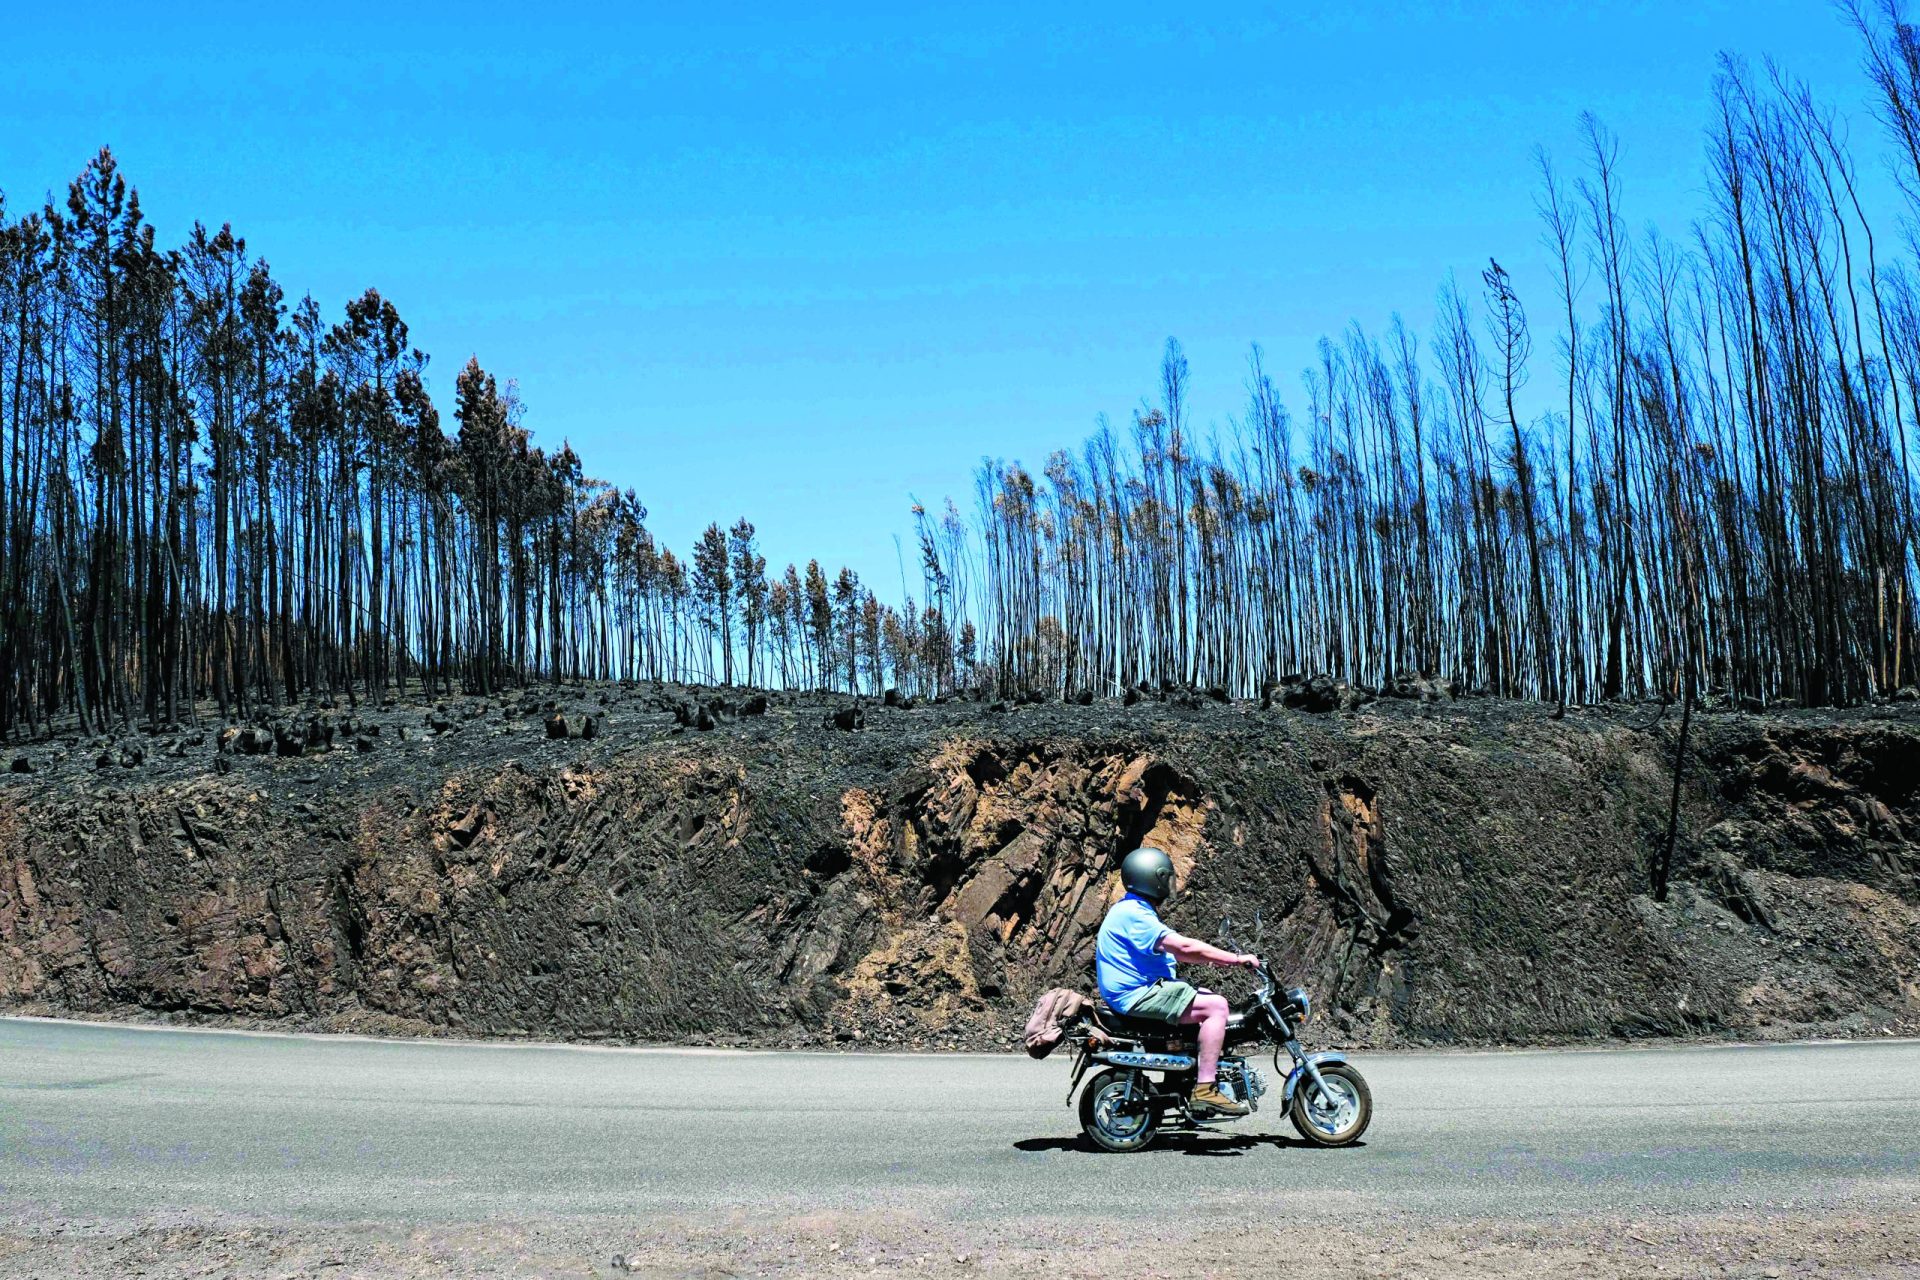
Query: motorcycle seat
x=1119 y=1024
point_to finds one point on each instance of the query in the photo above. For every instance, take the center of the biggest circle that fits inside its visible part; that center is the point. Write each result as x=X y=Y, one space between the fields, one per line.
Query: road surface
x=107 y=1123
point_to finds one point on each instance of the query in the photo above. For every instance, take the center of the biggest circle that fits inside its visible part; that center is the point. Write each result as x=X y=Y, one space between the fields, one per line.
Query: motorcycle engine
x=1248 y=1082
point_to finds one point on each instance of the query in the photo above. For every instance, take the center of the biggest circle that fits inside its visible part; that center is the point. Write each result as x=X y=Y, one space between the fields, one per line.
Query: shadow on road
x=1186 y=1143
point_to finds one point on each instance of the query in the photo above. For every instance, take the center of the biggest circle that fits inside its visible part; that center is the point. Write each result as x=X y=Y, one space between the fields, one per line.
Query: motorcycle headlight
x=1301 y=1002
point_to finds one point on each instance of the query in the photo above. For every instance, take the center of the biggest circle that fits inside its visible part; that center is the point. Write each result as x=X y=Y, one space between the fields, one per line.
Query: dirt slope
x=1434 y=872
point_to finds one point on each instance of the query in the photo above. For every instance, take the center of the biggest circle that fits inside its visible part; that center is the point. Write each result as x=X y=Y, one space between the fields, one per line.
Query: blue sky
x=800 y=265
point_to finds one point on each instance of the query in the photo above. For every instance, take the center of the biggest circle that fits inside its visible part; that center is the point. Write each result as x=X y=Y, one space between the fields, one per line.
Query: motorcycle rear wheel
x=1104 y=1122
x=1341 y=1124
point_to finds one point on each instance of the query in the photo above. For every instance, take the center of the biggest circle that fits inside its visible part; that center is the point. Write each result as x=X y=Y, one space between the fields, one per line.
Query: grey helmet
x=1149 y=873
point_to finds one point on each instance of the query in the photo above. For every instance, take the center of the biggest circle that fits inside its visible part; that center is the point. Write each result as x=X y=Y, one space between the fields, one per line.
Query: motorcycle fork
x=1300 y=1059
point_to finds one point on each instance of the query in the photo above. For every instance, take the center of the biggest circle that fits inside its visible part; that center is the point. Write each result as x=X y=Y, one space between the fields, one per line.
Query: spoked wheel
x=1109 y=1119
x=1335 y=1122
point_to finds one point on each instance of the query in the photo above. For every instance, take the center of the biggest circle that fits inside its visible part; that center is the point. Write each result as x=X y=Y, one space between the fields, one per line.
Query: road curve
x=99 y=1121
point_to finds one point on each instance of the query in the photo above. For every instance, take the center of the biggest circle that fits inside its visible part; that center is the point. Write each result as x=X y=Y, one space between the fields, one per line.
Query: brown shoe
x=1207 y=1100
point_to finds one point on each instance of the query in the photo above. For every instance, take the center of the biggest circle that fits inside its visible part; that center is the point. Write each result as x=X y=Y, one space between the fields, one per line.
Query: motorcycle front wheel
x=1106 y=1117
x=1338 y=1122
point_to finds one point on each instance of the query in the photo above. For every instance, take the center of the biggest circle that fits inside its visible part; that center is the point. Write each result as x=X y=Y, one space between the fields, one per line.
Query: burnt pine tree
x=713 y=590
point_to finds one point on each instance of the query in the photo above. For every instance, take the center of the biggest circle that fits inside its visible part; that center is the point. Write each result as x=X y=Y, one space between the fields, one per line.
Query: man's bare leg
x=1209 y=1012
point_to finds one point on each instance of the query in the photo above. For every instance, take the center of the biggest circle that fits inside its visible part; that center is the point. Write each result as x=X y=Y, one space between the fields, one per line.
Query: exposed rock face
x=1432 y=873
x=993 y=867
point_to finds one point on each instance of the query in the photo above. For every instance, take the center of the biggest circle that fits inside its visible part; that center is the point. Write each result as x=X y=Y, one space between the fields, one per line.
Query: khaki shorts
x=1165 y=1001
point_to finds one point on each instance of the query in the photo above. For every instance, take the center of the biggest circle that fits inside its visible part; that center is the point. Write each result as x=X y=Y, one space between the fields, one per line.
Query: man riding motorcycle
x=1134 y=966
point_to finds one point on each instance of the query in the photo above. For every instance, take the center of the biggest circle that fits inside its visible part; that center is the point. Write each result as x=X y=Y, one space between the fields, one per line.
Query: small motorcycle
x=1123 y=1106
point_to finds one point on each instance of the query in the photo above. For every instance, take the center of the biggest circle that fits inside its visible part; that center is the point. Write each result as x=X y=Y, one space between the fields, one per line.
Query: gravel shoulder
x=1838 y=1244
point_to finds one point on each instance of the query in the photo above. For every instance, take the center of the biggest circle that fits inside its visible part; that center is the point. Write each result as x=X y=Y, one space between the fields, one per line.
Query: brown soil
x=1460 y=872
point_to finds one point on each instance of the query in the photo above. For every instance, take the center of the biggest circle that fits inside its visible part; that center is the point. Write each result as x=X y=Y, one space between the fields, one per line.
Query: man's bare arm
x=1194 y=951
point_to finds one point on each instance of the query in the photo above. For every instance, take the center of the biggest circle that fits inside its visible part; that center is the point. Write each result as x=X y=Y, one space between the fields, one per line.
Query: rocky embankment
x=672 y=865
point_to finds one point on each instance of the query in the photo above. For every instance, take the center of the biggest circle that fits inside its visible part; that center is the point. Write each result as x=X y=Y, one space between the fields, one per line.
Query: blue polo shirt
x=1126 y=959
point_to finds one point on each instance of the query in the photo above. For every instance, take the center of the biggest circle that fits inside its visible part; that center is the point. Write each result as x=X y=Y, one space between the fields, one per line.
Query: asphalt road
x=100 y=1122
